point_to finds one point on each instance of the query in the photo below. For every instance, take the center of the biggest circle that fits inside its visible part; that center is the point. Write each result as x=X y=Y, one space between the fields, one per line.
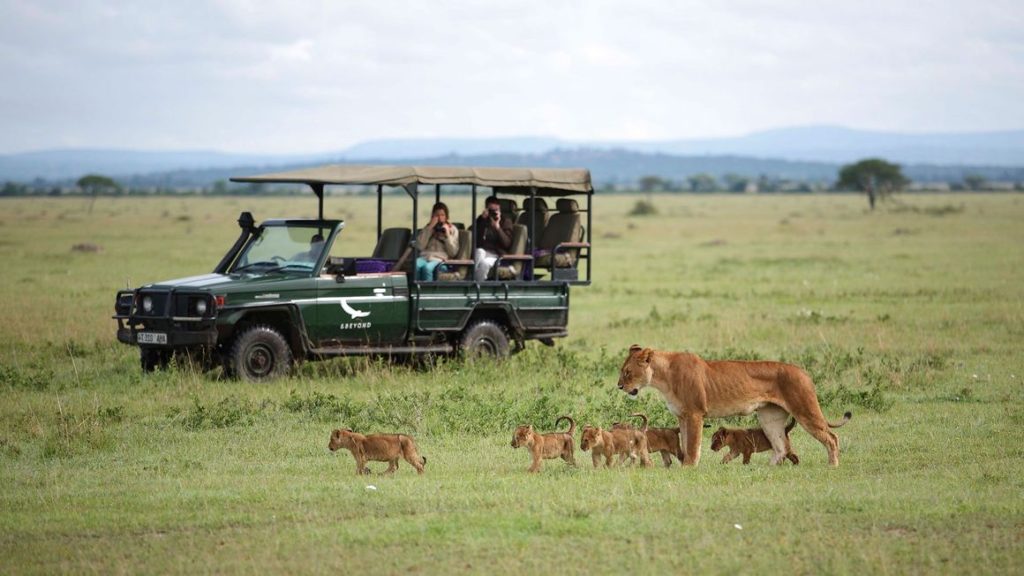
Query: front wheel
x=259 y=354
x=485 y=339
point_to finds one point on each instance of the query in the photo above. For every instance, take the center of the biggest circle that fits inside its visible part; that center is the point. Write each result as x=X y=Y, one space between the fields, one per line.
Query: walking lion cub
x=547 y=446
x=378 y=448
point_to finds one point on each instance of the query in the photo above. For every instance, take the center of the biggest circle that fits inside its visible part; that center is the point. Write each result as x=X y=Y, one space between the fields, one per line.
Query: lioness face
x=636 y=371
x=340 y=439
x=523 y=436
x=591 y=438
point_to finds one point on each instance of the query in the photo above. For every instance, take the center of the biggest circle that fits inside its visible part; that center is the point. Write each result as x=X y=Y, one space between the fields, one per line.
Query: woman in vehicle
x=438 y=241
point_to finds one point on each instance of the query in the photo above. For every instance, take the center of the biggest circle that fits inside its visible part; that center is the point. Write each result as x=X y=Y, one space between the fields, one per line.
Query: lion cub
x=747 y=442
x=547 y=446
x=378 y=448
x=607 y=443
x=663 y=440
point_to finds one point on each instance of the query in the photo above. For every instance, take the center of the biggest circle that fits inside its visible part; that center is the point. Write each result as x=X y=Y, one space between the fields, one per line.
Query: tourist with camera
x=493 y=238
x=438 y=241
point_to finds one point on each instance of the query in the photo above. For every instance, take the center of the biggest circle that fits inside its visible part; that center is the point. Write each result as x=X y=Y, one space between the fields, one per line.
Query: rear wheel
x=258 y=354
x=484 y=339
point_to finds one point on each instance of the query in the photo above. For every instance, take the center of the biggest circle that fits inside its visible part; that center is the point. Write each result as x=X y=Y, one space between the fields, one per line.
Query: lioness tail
x=792 y=422
x=846 y=418
x=572 y=424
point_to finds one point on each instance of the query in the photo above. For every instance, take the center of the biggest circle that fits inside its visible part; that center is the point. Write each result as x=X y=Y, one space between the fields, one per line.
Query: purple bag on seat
x=373 y=266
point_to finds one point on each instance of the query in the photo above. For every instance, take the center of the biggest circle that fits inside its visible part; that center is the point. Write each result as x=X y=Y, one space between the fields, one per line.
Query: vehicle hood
x=225 y=282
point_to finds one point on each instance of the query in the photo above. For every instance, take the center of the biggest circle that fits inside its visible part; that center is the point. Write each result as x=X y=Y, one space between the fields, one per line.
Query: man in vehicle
x=316 y=245
x=493 y=238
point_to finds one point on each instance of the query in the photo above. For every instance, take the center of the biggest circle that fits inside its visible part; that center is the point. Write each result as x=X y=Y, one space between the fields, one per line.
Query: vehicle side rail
x=381 y=350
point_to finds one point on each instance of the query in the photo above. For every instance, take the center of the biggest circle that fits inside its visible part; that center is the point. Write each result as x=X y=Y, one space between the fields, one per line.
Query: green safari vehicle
x=287 y=290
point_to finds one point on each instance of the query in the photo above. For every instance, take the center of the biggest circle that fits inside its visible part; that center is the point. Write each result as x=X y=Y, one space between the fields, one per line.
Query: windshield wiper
x=274 y=267
x=254 y=264
x=290 y=265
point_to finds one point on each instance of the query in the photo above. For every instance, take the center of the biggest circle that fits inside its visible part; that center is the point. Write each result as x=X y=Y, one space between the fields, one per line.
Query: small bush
x=643 y=208
x=37 y=380
x=230 y=411
x=72 y=434
x=842 y=397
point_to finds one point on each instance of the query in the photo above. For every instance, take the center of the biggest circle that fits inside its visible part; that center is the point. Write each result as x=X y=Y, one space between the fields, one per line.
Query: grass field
x=911 y=317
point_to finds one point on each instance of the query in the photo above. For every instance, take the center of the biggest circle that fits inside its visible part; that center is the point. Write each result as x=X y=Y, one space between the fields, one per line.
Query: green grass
x=912 y=317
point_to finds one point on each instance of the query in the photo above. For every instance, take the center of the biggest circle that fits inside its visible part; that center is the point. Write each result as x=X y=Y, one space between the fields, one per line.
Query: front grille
x=159 y=304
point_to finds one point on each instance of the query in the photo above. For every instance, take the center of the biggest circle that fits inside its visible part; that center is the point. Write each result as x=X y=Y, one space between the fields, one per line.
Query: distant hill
x=806 y=153
x=608 y=167
x=832 y=144
x=56 y=165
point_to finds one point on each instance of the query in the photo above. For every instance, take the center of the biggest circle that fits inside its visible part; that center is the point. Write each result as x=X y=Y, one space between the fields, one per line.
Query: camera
x=439 y=227
x=494 y=214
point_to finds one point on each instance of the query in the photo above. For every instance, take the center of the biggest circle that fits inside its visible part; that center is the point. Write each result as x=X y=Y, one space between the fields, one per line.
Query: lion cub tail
x=572 y=424
x=846 y=418
x=792 y=422
x=643 y=417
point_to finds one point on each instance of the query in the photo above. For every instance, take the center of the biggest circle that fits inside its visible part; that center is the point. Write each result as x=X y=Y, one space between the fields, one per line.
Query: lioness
x=378 y=448
x=748 y=441
x=607 y=443
x=663 y=440
x=547 y=446
x=694 y=389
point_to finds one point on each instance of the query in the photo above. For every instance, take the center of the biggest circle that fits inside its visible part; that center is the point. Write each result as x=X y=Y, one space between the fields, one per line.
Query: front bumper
x=173 y=322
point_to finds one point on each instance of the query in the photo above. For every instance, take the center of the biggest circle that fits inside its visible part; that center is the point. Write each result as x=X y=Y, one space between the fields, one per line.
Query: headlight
x=201 y=307
x=147 y=304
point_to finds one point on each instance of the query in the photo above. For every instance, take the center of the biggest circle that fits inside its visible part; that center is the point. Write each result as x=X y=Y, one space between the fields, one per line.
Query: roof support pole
x=437 y=194
x=533 y=219
x=590 y=228
x=380 y=206
x=473 y=219
x=413 y=191
x=318 y=189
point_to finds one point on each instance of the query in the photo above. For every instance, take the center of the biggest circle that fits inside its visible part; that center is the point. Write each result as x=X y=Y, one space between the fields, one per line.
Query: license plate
x=152 y=338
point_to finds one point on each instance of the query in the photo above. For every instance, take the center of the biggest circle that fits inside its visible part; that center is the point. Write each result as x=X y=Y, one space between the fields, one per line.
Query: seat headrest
x=535 y=203
x=508 y=206
x=567 y=205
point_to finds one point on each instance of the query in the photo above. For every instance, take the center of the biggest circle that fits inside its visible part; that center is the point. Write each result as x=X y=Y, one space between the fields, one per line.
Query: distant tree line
x=874 y=177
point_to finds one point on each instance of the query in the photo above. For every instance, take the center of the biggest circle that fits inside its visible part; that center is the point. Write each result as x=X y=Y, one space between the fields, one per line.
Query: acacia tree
x=652 y=183
x=873 y=176
x=702 y=182
x=96 y=184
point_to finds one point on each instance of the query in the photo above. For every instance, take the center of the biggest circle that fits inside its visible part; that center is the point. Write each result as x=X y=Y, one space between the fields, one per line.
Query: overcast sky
x=276 y=77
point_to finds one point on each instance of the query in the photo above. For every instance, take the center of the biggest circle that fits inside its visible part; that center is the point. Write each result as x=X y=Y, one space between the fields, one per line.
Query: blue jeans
x=427 y=269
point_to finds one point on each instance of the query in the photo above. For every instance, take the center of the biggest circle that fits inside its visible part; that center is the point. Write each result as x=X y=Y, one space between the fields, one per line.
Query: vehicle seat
x=510 y=266
x=563 y=226
x=538 y=207
x=458 y=268
x=509 y=208
x=392 y=243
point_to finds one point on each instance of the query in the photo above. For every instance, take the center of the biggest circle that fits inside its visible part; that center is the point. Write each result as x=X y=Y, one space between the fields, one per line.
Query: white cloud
x=283 y=76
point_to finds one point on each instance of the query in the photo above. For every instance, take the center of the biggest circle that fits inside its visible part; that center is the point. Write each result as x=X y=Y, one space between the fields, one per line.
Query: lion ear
x=635 y=348
x=645 y=356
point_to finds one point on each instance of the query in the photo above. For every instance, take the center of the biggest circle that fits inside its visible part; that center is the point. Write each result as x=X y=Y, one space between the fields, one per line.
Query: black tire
x=258 y=354
x=484 y=339
x=153 y=358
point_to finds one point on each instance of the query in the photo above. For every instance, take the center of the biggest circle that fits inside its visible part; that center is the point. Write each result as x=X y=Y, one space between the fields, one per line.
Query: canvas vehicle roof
x=544 y=181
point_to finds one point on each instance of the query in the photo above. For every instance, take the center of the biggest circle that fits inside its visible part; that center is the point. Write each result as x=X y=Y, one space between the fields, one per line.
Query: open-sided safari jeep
x=287 y=290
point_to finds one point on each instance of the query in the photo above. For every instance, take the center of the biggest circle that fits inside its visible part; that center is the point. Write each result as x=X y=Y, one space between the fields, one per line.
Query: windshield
x=278 y=248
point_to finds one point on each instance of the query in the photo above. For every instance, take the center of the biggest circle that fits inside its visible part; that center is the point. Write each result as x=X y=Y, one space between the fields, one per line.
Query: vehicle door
x=363 y=310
